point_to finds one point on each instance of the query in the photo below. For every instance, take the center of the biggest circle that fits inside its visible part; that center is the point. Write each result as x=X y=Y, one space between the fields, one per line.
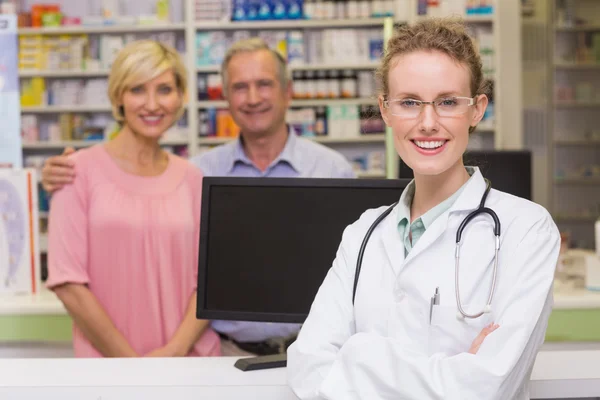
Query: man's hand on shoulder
x=58 y=171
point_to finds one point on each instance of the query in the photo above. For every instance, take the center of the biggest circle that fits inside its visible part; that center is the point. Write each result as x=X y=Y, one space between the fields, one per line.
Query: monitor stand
x=262 y=362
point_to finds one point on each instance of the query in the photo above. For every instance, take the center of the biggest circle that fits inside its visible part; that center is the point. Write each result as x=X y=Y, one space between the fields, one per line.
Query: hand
x=482 y=335
x=164 y=351
x=58 y=171
x=171 y=349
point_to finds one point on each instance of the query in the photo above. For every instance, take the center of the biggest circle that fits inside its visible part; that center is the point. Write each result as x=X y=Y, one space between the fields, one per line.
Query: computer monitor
x=509 y=170
x=266 y=244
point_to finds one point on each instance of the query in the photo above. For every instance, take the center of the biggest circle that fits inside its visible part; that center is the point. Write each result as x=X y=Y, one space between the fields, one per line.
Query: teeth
x=151 y=119
x=429 y=144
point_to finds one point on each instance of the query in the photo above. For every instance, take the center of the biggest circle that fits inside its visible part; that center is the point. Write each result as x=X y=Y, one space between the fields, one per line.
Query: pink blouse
x=134 y=241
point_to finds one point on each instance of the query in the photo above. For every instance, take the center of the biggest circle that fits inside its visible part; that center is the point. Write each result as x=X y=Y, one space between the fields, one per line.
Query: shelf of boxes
x=354 y=67
x=289 y=24
x=67 y=66
x=296 y=102
x=578 y=28
x=577 y=104
x=504 y=120
x=52 y=109
x=62 y=73
x=574 y=171
x=577 y=66
x=104 y=29
x=365 y=138
x=575 y=218
x=577 y=143
x=78 y=144
x=577 y=181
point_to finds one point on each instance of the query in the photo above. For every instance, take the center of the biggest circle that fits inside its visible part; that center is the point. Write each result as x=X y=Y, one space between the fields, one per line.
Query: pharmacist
x=408 y=324
x=258 y=88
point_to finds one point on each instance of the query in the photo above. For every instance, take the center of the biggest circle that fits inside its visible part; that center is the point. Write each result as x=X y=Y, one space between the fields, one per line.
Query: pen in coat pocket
x=435 y=300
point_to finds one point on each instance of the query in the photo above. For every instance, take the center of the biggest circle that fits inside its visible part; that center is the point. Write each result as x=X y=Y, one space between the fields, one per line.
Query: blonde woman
x=122 y=245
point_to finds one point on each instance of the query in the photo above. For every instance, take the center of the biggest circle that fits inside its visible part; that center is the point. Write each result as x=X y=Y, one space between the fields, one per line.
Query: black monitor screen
x=266 y=244
x=509 y=171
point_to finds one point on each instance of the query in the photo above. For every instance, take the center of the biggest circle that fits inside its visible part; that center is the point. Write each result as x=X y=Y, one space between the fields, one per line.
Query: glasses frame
x=422 y=104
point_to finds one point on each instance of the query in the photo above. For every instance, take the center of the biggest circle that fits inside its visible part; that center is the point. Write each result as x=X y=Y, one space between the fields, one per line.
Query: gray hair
x=249 y=46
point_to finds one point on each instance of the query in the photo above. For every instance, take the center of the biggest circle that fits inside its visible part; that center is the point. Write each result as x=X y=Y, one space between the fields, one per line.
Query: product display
x=111 y=14
x=257 y=10
x=82 y=52
x=332 y=66
x=310 y=47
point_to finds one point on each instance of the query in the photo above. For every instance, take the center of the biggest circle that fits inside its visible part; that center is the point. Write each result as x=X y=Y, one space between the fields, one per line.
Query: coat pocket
x=451 y=335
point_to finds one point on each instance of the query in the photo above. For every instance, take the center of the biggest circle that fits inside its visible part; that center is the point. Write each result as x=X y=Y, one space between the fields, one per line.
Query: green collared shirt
x=419 y=225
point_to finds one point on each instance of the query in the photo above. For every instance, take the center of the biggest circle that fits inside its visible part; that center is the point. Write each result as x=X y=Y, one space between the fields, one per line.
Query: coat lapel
x=392 y=242
x=468 y=200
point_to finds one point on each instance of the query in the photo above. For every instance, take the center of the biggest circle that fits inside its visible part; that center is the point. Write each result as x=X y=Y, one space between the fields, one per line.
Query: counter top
x=46 y=302
x=556 y=374
x=43 y=303
x=576 y=299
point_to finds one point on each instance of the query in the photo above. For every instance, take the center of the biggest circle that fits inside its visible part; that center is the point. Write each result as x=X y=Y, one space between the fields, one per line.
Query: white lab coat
x=384 y=346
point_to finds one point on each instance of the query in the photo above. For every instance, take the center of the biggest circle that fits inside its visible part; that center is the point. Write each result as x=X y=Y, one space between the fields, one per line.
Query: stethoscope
x=480 y=210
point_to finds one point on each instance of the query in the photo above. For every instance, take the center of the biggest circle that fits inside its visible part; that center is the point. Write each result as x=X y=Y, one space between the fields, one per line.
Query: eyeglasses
x=444 y=106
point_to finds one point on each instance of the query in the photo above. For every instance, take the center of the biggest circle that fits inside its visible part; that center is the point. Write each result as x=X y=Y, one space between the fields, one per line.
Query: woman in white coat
x=390 y=342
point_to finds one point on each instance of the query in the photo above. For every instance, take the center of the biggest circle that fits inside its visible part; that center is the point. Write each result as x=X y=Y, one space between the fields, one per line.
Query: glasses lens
x=406 y=108
x=449 y=106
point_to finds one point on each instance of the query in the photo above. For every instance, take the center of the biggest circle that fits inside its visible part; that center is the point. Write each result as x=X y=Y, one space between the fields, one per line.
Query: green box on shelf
x=52 y=19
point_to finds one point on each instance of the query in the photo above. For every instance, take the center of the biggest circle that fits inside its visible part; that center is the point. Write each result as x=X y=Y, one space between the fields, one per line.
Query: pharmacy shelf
x=297 y=102
x=575 y=218
x=577 y=104
x=59 y=144
x=288 y=24
x=318 y=67
x=373 y=174
x=338 y=66
x=366 y=138
x=363 y=138
x=78 y=144
x=214 y=141
x=577 y=181
x=333 y=102
x=175 y=142
x=61 y=73
x=577 y=143
x=80 y=29
x=208 y=68
x=64 y=109
x=485 y=127
x=471 y=18
x=212 y=104
x=575 y=66
x=581 y=28
x=482 y=19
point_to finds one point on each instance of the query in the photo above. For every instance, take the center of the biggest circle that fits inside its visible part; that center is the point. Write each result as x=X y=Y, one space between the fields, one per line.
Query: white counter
x=557 y=374
x=46 y=303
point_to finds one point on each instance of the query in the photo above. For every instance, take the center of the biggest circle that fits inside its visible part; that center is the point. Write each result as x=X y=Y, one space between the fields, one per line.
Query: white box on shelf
x=19 y=241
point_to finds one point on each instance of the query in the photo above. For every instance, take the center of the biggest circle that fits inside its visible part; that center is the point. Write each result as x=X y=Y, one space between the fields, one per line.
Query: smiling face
x=257 y=100
x=428 y=143
x=152 y=107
